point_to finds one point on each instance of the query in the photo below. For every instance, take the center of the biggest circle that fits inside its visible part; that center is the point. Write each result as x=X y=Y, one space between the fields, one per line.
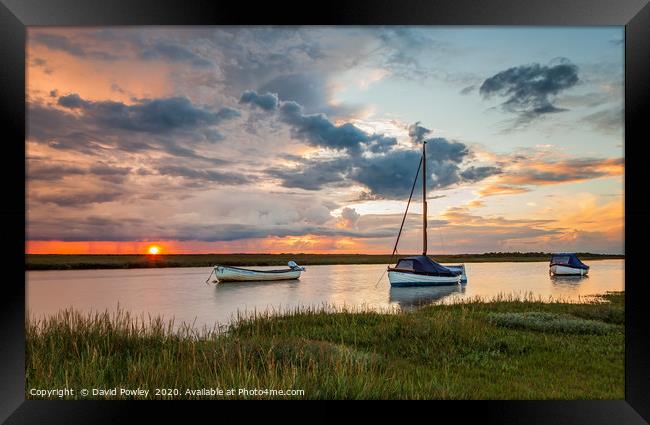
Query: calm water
x=181 y=292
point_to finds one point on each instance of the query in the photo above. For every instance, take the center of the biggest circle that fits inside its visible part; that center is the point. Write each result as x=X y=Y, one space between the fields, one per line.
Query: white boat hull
x=235 y=274
x=461 y=269
x=412 y=279
x=568 y=271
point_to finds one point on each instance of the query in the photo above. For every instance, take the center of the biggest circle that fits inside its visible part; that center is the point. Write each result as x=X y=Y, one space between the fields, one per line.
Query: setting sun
x=153 y=250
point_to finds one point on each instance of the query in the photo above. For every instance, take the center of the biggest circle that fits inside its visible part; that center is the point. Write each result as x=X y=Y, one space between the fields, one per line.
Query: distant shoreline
x=136 y=261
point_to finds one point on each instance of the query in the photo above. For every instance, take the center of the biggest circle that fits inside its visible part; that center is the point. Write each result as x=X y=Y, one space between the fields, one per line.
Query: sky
x=307 y=139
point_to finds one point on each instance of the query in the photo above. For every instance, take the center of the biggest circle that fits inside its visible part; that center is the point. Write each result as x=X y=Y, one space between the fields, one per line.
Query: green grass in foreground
x=473 y=350
x=60 y=261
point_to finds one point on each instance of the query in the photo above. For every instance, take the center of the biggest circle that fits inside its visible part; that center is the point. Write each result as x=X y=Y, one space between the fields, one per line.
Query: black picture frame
x=16 y=15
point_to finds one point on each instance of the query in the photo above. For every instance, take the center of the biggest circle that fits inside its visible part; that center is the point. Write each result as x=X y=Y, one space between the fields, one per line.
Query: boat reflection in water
x=228 y=286
x=413 y=297
x=568 y=279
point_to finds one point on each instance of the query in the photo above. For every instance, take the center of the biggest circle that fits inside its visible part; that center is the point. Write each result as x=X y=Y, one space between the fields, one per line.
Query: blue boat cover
x=568 y=259
x=425 y=265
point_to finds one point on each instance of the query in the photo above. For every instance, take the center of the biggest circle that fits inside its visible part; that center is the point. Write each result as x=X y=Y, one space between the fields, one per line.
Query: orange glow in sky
x=271 y=245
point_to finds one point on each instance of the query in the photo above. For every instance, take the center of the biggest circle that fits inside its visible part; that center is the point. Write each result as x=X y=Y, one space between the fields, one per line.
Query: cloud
x=148 y=115
x=523 y=172
x=418 y=54
x=174 y=125
x=501 y=189
x=63 y=43
x=609 y=121
x=349 y=218
x=308 y=90
x=80 y=198
x=127 y=43
x=42 y=63
x=267 y=101
x=460 y=216
x=467 y=90
x=163 y=49
x=109 y=229
x=312 y=91
x=109 y=173
x=572 y=170
x=166 y=136
x=474 y=174
x=312 y=174
x=529 y=89
x=388 y=174
x=206 y=175
x=417 y=132
x=72 y=101
x=617 y=41
x=59 y=129
x=317 y=129
x=51 y=172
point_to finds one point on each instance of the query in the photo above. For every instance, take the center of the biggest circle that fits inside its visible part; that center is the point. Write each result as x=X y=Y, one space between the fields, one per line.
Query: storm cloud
x=313 y=174
x=389 y=174
x=148 y=115
x=317 y=129
x=267 y=101
x=174 y=125
x=529 y=89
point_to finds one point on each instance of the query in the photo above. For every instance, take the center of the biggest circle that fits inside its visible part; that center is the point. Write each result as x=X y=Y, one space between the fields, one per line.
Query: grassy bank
x=505 y=349
x=64 y=262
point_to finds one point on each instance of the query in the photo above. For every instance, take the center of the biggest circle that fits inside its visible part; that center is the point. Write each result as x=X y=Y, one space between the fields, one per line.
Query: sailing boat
x=421 y=270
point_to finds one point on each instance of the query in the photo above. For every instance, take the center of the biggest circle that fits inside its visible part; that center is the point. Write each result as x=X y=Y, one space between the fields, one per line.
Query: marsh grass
x=457 y=351
x=550 y=322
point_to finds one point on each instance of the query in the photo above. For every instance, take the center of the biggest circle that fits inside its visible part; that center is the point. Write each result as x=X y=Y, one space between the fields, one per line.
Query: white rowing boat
x=238 y=274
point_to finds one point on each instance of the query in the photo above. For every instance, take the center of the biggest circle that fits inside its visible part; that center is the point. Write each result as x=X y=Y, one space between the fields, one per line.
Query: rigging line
x=390 y=261
x=407 y=210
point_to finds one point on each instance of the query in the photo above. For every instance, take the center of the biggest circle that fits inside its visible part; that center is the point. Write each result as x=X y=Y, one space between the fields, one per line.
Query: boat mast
x=424 y=198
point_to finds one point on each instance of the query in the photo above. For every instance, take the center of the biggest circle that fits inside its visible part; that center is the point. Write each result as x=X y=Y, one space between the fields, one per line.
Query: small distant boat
x=421 y=270
x=567 y=264
x=238 y=274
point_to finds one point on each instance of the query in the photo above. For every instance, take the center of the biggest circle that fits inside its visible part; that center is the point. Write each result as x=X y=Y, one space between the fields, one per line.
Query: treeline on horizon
x=125 y=261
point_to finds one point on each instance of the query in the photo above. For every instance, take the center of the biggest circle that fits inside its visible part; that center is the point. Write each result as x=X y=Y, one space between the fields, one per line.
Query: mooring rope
x=208 y=279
